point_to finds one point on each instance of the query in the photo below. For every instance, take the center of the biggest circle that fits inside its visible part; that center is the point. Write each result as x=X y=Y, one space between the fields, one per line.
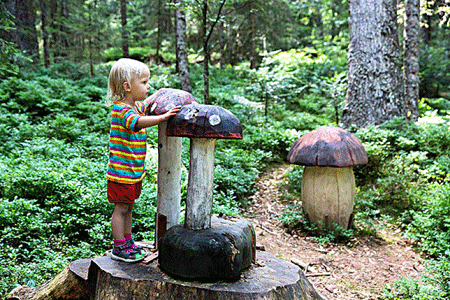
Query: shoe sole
x=128 y=260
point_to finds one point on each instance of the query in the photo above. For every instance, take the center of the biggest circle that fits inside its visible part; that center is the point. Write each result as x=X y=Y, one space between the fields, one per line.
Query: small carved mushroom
x=203 y=124
x=328 y=183
x=169 y=159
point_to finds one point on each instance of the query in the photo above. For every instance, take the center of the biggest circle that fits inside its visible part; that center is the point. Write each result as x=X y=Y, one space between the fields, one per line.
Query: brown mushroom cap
x=204 y=121
x=328 y=147
x=165 y=99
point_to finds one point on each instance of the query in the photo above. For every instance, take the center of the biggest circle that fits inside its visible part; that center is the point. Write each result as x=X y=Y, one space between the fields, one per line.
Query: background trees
x=280 y=66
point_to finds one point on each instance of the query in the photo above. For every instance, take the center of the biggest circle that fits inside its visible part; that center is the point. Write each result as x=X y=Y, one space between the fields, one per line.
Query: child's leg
x=128 y=220
x=121 y=220
x=120 y=223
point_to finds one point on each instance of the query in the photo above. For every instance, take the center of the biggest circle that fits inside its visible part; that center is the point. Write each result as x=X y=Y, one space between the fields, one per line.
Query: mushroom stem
x=328 y=195
x=199 y=196
x=169 y=181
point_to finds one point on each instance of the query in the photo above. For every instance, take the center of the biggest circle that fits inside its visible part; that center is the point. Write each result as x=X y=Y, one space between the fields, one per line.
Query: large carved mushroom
x=203 y=124
x=169 y=159
x=328 y=183
x=205 y=247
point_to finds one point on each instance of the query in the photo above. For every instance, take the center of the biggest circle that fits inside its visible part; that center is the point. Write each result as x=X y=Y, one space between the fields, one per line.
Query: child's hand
x=172 y=112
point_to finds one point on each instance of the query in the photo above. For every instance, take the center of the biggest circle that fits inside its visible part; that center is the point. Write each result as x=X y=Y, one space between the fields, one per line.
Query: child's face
x=139 y=87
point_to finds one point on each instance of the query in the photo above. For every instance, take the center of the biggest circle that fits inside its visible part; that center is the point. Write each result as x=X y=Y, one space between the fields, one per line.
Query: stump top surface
x=269 y=273
x=81 y=267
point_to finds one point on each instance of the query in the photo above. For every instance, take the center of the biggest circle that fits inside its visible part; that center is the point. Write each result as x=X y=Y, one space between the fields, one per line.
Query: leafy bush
x=430 y=225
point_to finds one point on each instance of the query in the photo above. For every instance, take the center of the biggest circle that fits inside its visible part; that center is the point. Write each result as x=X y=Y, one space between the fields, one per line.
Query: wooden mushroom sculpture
x=328 y=183
x=205 y=247
x=203 y=124
x=169 y=160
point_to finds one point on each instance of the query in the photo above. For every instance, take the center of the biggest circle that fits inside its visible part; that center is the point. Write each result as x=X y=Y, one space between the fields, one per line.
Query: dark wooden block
x=220 y=252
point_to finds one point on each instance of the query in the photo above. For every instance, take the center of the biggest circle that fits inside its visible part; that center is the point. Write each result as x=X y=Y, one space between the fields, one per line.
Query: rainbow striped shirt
x=127 y=147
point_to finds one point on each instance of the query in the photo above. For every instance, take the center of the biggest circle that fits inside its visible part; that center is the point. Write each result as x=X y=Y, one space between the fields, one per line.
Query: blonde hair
x=123 y=70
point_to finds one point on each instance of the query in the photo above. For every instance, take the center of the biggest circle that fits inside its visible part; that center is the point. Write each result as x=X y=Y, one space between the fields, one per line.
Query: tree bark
x=123 y=15
x=375 y=92
x=411 y=57
x=182 y=57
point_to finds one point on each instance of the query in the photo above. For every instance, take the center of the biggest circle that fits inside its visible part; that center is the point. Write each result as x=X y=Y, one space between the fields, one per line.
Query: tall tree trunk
x=182 y=57
x=253 y=29
x=375 y=83
x=24 y=33
x=222 y=46
x=206 y=54
x=411 y=57
x=91 y=44
x=45 y=36
x=159 y=33
x=123 y=14
x=53 y=42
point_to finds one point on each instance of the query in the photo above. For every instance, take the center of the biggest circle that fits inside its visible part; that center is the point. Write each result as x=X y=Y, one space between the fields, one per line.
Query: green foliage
x=430 y=225
x=236 y=170
x=435 y=285
x=54 y=137
x=434 y=69
x=293 y=218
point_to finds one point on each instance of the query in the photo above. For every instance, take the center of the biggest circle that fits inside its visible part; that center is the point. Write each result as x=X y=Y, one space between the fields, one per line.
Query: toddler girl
x=127 y=87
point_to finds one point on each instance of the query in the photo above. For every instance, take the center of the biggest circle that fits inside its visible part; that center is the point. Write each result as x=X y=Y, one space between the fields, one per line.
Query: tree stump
x=269 y=279
x=69 y=284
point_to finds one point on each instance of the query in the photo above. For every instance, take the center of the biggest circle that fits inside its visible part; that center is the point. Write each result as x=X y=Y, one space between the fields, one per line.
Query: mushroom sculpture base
x=221 y=252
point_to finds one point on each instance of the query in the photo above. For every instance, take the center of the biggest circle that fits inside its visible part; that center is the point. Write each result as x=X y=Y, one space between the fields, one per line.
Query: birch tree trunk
x=375 y=83
x=182 y=57
x=411 y=56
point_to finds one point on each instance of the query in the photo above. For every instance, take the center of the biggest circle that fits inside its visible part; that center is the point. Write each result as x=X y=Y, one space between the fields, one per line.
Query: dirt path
x=356 y=270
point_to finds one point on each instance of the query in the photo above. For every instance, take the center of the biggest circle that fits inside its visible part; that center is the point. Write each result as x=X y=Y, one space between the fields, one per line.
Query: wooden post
x=199 y=196
x=169 y=181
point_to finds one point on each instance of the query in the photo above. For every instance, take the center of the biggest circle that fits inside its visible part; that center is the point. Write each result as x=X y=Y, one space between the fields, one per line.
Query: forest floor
x=356 y=269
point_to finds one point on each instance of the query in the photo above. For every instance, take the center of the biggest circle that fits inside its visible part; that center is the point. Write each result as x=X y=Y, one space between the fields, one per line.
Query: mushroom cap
x=328 y=147
x=165 y=99
x=204 y=121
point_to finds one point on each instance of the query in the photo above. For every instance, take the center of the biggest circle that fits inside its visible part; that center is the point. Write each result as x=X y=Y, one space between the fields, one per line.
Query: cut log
x=269 y=279
x=70 y=283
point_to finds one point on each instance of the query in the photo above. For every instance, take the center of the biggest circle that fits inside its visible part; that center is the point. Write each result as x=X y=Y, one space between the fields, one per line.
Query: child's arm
x=148 y=121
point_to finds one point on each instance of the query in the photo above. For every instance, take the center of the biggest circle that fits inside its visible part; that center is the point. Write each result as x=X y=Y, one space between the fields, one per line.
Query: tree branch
x=215 y=22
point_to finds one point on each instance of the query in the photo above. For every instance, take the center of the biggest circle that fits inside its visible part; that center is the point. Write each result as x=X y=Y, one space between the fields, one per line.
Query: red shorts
x=123 y=193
